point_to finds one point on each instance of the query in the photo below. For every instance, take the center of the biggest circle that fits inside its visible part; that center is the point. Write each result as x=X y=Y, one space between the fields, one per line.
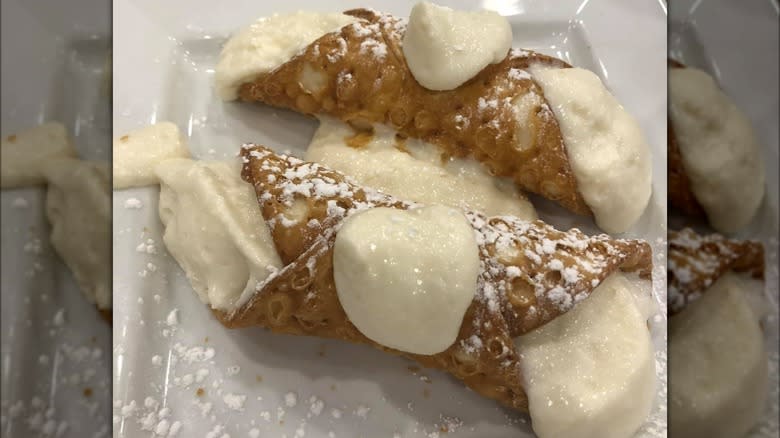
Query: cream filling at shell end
x=215 y=230
x=268 y=43
x=718 y=369
x=718 y=147
x=445 y=48
x=25 y=154
x=134 y=155
x=605 y=145
x=413 y=170
x=78 y=206
x=405 y=278
x=590 y=373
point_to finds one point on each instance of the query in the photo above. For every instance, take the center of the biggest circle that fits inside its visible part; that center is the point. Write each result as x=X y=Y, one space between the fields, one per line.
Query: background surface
x=737 y=43
x=56 y=349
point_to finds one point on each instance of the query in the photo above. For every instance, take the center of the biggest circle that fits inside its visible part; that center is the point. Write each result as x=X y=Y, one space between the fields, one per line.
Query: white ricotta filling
x=719 y=151
x=445 y=48
x=718 y=370
x=135 y=154
x=268 y=43
x=417 y=172
x=78 y=206
x=215 y=230
x=406 y=277
x=25 y=154
x=605 y=145
x=590 y=373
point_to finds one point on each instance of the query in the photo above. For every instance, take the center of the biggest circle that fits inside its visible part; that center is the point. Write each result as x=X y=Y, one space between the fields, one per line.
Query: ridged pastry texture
x=359 y=75
x=697 y=261
x=529 y=272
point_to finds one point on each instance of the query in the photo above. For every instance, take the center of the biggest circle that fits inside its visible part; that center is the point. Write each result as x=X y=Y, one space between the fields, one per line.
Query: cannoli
x=500 y=117
x=529 y=273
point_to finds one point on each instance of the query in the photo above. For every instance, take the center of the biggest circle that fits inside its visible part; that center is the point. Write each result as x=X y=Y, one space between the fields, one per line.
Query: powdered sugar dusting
x=517 y=74
x=696 y=261
x=376 y=48
x=339 y=51
x=561 y=267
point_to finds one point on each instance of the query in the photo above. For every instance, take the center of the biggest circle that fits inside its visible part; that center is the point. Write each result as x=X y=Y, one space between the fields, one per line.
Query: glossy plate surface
x=56 y=349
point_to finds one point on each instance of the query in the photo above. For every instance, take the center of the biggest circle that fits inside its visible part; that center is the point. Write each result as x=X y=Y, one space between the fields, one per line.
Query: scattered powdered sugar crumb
x=174 y=429
x=162 y=428
x=59 y=318
x=151 y=403
x=173 y=317
x=156 y=360
x=128 y=409
x=448 y=424
x=148 y=417
x=234 y=401
x=291 y=399
x=33 y=246
x=204 y=408
x=362 y=411
x=147 y=247
x=16 y=409
x=185 y=380
x=518 y=74
x=201 y=374
x=133 y=203
x=218 y=431
x=40 y=418
x=316 y=406
x=148 y=421
x=193 y=354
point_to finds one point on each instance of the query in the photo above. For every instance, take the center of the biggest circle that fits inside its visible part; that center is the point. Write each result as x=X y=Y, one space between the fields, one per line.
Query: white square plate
x=163 y=70
x=56 y=60
x=697 y=39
